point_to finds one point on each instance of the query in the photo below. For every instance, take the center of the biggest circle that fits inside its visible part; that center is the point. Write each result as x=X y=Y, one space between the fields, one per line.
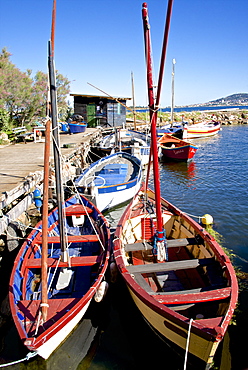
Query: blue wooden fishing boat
x=71 y=283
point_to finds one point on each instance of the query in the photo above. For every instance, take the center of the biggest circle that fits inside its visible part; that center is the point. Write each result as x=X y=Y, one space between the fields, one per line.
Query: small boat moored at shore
x=192 y=292
x=111 y=180
x=201 y=129
x=75 y=128
x=71 y=285
x=175 y=149
x=129 y=141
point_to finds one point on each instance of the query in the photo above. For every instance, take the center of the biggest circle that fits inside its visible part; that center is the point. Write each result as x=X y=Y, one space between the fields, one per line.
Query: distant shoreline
x=205 y=108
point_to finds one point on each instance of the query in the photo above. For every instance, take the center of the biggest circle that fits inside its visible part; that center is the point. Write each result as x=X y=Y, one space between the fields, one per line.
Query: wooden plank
x=70 y=238
x=77 y=210
x=143 y=283
x=173 y=243
x=138 y=247
x=194 y=296
x=52 y=262
x=169 y=266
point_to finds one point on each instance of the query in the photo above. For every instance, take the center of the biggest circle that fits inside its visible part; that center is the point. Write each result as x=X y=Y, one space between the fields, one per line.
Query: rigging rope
x=187 y=345
x=29 y=355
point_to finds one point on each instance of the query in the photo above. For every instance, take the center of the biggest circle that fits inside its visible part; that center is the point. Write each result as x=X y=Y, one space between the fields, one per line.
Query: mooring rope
x=29 y=355
x=187 y=345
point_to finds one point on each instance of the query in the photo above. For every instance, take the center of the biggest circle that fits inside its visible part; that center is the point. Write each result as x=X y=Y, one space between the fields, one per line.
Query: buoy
x=207 y=219
x=37 y=198
x=101 y=291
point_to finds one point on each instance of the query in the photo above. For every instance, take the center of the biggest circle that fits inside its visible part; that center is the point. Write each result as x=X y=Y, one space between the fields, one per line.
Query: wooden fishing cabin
x=99 y=110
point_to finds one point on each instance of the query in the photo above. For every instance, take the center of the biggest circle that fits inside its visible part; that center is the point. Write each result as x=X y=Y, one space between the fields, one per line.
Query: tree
x=24 y=97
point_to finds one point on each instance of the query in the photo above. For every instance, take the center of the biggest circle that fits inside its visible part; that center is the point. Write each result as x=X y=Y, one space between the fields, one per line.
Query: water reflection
x=182 y=170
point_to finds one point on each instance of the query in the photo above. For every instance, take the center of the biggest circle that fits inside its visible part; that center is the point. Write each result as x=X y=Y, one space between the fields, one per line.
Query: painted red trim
x=74 y=261
x=212 y=295
x=70 y=238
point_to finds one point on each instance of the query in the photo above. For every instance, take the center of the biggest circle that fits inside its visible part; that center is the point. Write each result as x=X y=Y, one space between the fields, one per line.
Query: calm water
x=215 y=182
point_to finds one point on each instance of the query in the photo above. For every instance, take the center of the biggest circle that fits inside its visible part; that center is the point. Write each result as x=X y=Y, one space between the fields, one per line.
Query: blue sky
x=101 y=42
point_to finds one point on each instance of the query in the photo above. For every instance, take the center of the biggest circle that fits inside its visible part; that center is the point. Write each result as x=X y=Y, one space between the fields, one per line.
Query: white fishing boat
x=201 y=129
x=111 y=180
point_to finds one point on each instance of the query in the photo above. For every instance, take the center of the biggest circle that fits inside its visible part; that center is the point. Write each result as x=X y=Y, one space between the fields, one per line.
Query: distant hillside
x=234 y=99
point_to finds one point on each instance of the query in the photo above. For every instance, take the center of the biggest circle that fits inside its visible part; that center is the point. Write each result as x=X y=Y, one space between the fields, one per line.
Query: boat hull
x=77 y=128
x=176 y=149
x=184 y=153
x=46 y=349
x=167 y=327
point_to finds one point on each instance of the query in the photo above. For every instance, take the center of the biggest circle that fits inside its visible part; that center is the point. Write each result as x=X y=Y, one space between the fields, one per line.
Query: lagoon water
x=215 y=182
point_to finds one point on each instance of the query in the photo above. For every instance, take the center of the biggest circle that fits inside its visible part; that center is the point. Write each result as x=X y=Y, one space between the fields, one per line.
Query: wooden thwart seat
x=52 y=262
x=170 y=244
x=70 y=238
x=77 y=210
x=180 y=297
x=169 y=266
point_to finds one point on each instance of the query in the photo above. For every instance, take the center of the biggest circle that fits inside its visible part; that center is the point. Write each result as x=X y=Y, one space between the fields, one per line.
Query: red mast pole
x=163 y=55
x=153 y=116
x=154 y=107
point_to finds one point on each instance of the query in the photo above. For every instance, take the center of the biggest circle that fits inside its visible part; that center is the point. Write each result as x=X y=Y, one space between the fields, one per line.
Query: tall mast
x=153 y=106
x=56 y=141
x=134 y=110
x=172 y=91
x=44 y=296
x=153 y=116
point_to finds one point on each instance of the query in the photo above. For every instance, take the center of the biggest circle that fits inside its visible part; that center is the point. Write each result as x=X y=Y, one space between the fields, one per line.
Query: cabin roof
x=101 y=96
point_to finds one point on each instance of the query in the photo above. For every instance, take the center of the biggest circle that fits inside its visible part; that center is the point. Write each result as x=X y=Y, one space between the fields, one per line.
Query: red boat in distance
x=176 y=149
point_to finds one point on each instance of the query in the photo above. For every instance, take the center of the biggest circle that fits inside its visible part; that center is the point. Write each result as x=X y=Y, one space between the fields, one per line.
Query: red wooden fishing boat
x=178 y=276
x=176 y=149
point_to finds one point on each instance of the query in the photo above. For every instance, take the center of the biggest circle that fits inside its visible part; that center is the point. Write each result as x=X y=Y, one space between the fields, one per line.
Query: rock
x=4 y=140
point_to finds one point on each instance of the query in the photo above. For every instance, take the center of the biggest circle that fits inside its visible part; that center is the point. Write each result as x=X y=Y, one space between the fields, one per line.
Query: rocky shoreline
x=231 y=117
x=225 y=117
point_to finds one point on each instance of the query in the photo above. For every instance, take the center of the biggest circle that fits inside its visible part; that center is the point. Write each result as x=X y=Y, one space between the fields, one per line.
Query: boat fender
x=113 y=272
x=77 y=220
x=101 y=291
x=37 y=198
x=207 y=219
